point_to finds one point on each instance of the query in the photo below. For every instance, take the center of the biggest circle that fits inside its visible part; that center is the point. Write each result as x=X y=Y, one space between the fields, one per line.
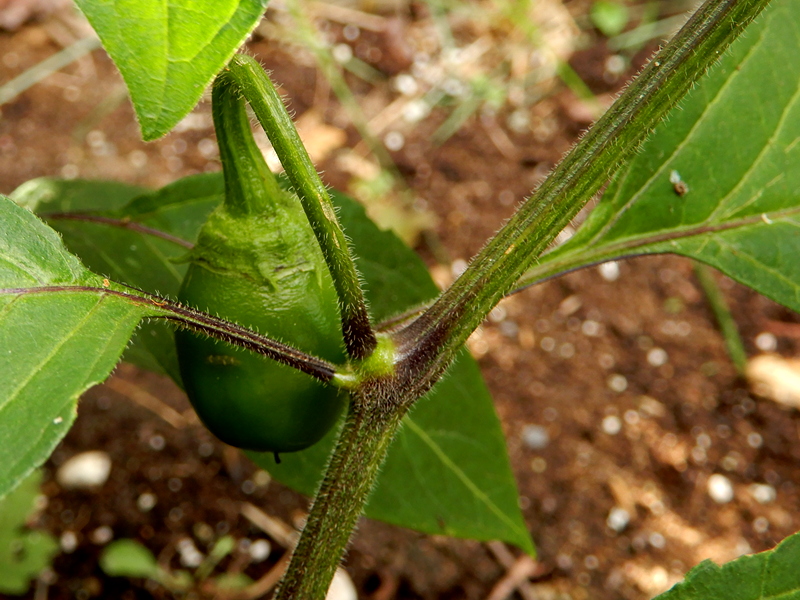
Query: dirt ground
x=613 y=385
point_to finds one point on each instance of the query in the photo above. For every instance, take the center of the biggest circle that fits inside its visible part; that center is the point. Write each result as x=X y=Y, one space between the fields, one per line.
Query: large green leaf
x=774 y=574
x=450 y=452
x=61 y=331
x=168 y=51
x=734 y=143
x=133 y=255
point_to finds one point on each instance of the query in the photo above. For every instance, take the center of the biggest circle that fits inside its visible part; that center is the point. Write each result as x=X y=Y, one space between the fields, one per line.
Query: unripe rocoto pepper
x=257 y=263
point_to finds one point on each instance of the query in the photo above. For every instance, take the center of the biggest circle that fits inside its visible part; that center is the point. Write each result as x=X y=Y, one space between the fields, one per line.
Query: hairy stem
x=201 y=322
x=430 y=342
x=257 y=88
x=360 y=451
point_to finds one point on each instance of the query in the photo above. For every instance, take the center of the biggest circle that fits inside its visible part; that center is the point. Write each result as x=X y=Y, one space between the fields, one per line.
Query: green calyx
x=381 y=363
x=260 y=231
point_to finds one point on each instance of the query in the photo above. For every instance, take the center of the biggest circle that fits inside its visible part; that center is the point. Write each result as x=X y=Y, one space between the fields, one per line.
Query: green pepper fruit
x=257 y=263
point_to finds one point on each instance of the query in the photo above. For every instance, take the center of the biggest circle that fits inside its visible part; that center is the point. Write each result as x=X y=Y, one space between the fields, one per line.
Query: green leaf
x=169 y=51
x=109 y=245
x=735 y=144
x=128 y=558
x=771 y=574
x=451 y=450
x=23 y=553
x=61 y=331
x=609 y=17
x=232 y=581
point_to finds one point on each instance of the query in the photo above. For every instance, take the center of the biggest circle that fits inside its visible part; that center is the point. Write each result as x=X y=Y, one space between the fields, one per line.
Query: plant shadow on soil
x=614 y=392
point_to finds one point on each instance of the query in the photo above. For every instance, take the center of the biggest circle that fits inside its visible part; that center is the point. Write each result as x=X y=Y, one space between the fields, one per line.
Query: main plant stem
x=361 y=449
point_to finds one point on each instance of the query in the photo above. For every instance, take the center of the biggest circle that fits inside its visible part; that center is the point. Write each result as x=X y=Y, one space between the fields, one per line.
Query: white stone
x=611 y=425
x=342 y=587
x=609 y=270
x=763 y=493
x=720 y=488
x=191 y=557
x=657 y=357
x=85 y=470
x=259 y=550
x=618 y=519
x=68 y=542
x=535 y=437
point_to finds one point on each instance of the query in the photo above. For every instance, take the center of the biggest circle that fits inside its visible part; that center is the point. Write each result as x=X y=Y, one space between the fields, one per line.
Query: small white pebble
x=611 y=425
x=657 y=357
x=415 y=111
x=720 y=488
x=68 y=542
x=657 y=540
x=406 y=84
x=191 y=557
x=102 y=535
x=763 y=493
x=618 y=382
x=259 y=550
x=342 y=53
x=458 y=266
x=591 y=328
x=535 y=437
x=85 y=470
x=618 y=518
x=766 y=342
x=342 y=587
x=609 y=270
x=146 y=501
x=754 y=440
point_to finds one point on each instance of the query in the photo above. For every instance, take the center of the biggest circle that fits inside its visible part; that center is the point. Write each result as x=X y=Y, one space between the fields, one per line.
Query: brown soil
x=679 y=422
